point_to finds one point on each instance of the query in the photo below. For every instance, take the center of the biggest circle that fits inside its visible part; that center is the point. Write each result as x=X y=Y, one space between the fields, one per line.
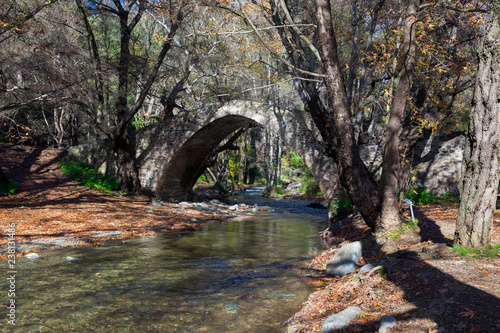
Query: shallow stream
x=230 y=277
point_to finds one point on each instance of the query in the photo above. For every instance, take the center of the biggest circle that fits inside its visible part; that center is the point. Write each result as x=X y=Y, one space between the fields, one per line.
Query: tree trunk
x=273 y=160
x=353 y=174
x=390 y=169
x=127 y=171
x=481 y=162
x=222 y=166
x=3 y=178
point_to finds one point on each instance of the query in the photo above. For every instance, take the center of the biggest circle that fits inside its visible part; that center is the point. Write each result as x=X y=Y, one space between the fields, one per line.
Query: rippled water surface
x=231 y=277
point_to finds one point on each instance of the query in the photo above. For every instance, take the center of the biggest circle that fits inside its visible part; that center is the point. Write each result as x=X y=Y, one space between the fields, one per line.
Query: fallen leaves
x=469 y=313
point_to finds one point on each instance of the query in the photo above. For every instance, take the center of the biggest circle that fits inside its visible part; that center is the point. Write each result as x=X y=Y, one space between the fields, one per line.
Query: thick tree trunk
x=127 y=171
x=390 y=169
x=481 y=171
x=353 y=174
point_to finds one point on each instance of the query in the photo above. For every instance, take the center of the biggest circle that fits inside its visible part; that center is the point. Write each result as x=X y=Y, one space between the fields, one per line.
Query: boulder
x=341 y=319
x=344 y=261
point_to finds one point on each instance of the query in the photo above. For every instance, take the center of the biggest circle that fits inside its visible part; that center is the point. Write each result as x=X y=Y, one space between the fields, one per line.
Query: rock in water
x=344 y=261
x=340 y=319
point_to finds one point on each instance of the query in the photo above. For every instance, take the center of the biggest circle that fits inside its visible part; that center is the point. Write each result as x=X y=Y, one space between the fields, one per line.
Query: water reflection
x=231 y=277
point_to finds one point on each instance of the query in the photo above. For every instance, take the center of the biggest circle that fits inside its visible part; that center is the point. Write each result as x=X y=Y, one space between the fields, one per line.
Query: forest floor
x=428 y=287
x=50 y=210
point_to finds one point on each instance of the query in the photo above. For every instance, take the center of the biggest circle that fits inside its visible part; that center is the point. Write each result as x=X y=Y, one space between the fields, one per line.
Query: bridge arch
x=180 y=149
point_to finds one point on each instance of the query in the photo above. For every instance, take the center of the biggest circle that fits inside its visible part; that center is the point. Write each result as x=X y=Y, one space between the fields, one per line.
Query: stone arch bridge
x=175 y=154
x=170 y=157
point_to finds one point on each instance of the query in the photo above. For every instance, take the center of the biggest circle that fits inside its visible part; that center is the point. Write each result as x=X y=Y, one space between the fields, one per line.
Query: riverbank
x=426 y=286
x=52 y=211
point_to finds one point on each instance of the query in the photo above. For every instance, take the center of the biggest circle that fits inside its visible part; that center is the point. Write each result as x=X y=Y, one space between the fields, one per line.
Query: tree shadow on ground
x=450 y=304
x=429 y=229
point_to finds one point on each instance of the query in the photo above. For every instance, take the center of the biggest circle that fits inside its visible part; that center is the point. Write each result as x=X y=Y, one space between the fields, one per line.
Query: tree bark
x=390 y=168
x=353 y=174
x=481 y=172
x=3 y=178
x=127 y=172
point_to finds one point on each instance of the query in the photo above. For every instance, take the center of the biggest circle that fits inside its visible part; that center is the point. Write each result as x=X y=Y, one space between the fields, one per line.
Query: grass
x=474 y=253
x=86 y=175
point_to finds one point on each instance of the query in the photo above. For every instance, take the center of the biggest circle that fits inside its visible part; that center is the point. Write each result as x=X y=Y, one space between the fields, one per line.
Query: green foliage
x=295 y=160
x=273 y=192
x=202 y=179
x=341 y=208
x=139 y=122
x=419 y=197
x=10 y=188
x=309 y=185
x=233 y=168
x=411 y=222
x=464 y=251
x=449 y=198
x=405 y=227
x=383 y=271
x=84 y=174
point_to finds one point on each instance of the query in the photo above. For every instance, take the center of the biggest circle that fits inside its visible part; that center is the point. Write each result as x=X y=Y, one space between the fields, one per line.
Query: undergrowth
x=465 y=251
x=86 y=175
x=420 y=197
x=10 y=188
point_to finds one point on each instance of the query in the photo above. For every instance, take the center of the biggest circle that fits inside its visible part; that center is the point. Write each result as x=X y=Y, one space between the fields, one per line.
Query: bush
x=450 y=198
x=419 y=197
x=84 y=174
x=341 y=208
x=10 y=188
x=309 y=185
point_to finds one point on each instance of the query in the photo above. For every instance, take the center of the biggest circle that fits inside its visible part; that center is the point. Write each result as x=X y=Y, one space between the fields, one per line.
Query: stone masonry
x=170 y=156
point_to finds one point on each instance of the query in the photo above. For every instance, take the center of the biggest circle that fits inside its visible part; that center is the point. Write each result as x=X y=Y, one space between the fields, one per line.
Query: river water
x=230 y=277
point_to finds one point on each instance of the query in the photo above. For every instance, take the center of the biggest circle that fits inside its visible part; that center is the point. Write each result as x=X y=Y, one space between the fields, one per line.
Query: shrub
x=10 y=188
x=450 y=198
x=341 y=208
x=273 y=192
x=86 y=175
x=309 y=185
x=419 y=197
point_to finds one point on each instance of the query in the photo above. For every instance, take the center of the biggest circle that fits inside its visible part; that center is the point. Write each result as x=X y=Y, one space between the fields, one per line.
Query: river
x=229 y=277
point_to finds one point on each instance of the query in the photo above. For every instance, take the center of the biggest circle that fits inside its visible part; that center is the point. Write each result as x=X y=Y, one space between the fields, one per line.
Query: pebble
x=32 y=256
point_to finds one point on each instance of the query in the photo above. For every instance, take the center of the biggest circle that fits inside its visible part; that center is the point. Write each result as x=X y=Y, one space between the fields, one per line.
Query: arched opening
x=178 y=177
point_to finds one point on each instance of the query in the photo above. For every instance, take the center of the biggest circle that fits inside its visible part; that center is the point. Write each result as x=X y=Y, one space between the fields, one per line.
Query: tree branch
x=261 y=39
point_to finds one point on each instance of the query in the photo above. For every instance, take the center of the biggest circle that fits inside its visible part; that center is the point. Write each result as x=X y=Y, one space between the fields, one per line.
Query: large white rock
x=341 y=319
x=344 y=261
